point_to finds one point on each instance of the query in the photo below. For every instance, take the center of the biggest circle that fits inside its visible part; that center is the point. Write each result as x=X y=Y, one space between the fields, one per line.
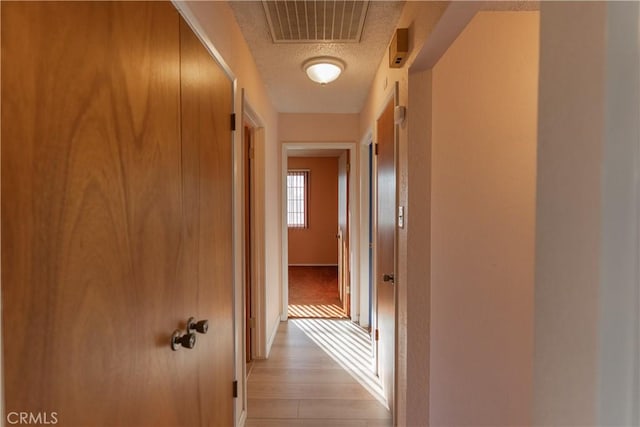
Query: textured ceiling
x=280 y=65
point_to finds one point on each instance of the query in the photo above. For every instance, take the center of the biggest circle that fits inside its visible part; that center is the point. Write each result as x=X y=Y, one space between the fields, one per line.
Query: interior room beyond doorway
x=314 y=236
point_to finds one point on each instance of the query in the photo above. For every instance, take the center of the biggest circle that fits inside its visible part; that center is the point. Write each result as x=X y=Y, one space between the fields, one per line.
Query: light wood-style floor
x=303 y=383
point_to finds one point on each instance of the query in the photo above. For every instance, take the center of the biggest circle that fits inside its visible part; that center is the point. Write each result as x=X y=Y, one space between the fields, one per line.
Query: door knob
x=201 y=326
x=187 y=340
x=388 y=278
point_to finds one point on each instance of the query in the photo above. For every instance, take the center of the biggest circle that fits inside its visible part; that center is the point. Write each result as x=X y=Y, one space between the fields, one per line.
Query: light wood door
x=107 y=221
x=385 y=250
x=206 y=94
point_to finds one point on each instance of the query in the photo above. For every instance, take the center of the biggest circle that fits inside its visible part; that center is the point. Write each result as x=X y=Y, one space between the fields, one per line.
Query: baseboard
x=313 y=265
x=243 y=418
x=272 y=336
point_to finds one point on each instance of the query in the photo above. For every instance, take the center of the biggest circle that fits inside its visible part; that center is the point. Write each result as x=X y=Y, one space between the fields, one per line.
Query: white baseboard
x=272 y=337
x=243 y=418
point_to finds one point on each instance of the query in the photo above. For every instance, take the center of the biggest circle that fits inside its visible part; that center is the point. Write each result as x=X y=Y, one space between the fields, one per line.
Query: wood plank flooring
x=313 y=292
x=318 y=374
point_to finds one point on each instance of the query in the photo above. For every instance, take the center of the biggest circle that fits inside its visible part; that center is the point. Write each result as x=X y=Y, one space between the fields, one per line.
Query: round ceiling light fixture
x=323 y=69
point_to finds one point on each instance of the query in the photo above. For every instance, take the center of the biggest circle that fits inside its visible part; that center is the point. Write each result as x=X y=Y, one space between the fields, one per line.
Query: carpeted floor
x=313 y=293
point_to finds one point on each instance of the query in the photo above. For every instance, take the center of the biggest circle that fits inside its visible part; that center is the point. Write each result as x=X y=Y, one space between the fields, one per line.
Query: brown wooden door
x=112 y=231
x=206 y=94
x=385 y=250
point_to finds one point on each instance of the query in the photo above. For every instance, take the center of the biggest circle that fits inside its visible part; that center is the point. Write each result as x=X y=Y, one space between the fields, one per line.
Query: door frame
x=366 y=221
x=258 y=298
x=288 y=149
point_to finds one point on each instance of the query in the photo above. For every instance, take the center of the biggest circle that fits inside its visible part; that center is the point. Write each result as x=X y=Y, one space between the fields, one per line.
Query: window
x=297 y=194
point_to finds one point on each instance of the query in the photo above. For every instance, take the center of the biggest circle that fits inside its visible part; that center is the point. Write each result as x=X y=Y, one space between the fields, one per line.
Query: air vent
x=309 y=21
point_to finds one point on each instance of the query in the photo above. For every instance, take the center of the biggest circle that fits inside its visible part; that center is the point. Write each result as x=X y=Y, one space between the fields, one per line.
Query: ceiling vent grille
x=313 y=21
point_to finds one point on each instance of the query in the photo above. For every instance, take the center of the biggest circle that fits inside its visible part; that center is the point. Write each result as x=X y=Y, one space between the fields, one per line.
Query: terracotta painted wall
x=317 y=245
x=482 y=224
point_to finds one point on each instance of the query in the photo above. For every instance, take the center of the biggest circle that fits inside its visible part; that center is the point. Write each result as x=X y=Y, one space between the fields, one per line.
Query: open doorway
x=339 y=236
x=317 y=232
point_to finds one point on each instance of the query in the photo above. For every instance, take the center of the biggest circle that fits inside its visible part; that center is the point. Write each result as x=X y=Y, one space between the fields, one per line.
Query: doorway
x=317 y=189
x=351 y=231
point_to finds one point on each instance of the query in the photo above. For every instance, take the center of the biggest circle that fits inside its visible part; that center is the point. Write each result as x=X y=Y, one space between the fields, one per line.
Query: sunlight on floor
x=326 y=311
x=349 y=346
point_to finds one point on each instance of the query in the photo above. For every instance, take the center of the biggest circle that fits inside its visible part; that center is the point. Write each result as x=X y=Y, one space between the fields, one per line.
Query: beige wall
x=316 y=245
x=482 y=223
x=418 y=251
x=568 y=214
x=421 y=18
x=318 y=127
x=587 y=309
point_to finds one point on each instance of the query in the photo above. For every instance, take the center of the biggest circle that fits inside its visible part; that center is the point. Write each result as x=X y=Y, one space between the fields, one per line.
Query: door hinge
x=375 y=148
x=235 y=389
x=233 y=121
x=252 y=322
x=348 y=167
x=377 y=335
x=348 y=289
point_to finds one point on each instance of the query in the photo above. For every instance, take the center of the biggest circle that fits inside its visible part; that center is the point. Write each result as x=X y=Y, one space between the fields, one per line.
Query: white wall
x=587 y=286
x=483 y=159
x=619 y=306
x=418 y=301
x=568 y=212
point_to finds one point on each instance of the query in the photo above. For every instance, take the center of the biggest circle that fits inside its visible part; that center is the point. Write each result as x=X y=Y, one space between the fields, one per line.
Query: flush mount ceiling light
x=323 y=69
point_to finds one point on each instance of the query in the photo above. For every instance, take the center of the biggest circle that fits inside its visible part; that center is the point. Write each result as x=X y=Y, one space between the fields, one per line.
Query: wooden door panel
x=95 y=272
x=88 y=198
x=385 y=249
x=207 y=182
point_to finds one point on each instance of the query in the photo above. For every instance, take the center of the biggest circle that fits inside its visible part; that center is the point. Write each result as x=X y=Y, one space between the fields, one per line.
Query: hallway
x=318 y=374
